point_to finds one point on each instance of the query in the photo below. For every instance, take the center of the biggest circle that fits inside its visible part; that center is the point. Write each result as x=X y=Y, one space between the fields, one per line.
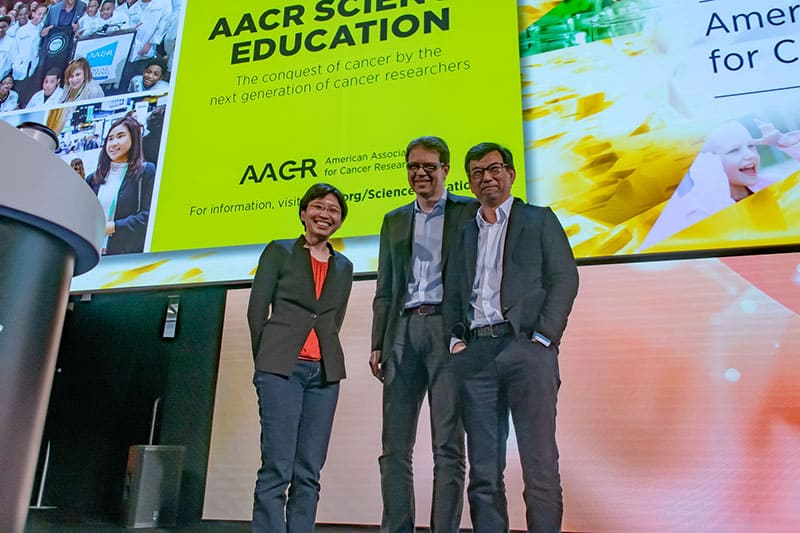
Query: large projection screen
x=624 y=116
x=679 y=408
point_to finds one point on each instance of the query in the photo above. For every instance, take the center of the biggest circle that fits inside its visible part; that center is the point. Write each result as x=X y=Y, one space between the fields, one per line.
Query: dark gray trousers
x=421 y=364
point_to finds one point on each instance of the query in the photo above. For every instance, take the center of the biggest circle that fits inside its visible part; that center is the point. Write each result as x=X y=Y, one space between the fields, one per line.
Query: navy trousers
x=501 y=376
x=296 y=416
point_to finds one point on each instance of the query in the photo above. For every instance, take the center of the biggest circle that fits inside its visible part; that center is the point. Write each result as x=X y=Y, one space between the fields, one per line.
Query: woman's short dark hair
x=321 y=190
x=479 y=151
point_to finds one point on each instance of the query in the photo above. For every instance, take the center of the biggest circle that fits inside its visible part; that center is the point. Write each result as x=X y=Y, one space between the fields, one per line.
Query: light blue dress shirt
x=425 y=283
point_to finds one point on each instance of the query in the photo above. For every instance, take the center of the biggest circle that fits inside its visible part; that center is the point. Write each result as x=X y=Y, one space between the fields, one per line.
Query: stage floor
x=55 y=521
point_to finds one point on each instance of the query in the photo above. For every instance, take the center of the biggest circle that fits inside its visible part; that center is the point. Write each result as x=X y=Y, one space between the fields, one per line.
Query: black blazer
x=284 y=308
x=132 y=212
x=540 y=278
x=394 y=264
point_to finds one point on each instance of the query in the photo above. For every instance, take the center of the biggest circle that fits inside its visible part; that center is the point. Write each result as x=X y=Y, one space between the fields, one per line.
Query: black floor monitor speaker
x=152 y=486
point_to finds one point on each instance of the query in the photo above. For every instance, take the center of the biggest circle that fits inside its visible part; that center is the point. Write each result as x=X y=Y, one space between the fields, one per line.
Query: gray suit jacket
x=284 y=307
x=394 y=264
x=540 y=278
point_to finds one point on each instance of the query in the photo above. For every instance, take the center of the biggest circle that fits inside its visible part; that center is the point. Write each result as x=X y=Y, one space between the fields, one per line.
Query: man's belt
x=425 y=310
x=501 y=329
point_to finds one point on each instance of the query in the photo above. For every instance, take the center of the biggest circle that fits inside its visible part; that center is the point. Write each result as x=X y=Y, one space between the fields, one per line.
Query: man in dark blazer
x=505 y=310
x=408 y=352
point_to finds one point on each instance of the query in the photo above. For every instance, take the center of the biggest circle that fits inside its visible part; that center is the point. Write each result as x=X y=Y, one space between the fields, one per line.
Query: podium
x=51 y=228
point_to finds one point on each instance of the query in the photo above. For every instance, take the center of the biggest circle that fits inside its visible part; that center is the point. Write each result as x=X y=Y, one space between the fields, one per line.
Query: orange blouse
x=311 y=350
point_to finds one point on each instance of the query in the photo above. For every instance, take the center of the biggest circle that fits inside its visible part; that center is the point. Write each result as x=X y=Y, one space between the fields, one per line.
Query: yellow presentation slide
x=269 y=100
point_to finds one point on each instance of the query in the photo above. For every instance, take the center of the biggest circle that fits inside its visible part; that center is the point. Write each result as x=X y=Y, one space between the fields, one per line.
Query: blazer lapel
x=513 y=238
x=331 y=278
x=405 y=238
x=450 y=232
x=470 y=244
x=303 y=264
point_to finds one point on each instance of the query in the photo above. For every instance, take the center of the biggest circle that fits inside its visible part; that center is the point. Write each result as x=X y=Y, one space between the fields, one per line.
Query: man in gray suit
x=409 y=354
x=505 y=309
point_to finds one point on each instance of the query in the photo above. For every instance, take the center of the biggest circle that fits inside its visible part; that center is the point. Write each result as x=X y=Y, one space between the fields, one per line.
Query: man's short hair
x=479 y=151
x=6 y=19
x=157 y=61
x=54 y=71
x=435 y=144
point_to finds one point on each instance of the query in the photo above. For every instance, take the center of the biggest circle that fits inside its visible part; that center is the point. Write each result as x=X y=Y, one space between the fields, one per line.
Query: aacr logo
x=102 y=56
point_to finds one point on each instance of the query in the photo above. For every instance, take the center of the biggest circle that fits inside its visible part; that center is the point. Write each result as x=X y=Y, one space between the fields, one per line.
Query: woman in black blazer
x=123 y=182
x=297 y=305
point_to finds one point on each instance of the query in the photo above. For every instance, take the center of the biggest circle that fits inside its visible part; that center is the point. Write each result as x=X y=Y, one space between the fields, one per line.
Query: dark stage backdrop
x=112 y=365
